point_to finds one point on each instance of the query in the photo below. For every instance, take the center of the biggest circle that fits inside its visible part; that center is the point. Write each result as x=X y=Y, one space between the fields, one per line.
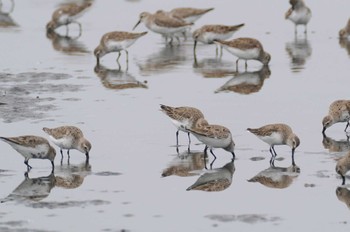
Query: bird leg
x=28 y=166
x=233 y=156
x=119 y=54
x=61 y=153
x=347 y=125
x=127 y=57
x=177 y=138
x=343 y=178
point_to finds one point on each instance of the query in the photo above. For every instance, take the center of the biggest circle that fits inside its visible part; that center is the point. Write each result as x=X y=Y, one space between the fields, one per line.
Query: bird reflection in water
x=213 y=67
x=167 y=59
x=336 y=145
x=6 y=8
x=343 y=195
x=32 y=189
x=72 y=176
x=66 y=44
x=299 y=51
x=246 y=82
x=214 y=180
x=184 y=164
x=277 y=177
x=118 y=79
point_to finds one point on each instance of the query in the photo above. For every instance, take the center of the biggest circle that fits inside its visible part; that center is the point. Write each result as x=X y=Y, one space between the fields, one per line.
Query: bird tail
x=236 y=27
x=251 y=130
x=8 y=140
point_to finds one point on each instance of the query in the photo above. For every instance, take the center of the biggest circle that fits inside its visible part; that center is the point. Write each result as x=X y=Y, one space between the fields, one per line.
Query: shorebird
x=246 y=49
x=184 y=118
x=67 y=14
x=32 y=147
x=116 y=41
x=343 y=166
x=189 y=15
x=299 y=14
x=69 y=137
x=339 y=111
x=162 y=24
x=208 y=33
x=213 y=136
x=277 y=134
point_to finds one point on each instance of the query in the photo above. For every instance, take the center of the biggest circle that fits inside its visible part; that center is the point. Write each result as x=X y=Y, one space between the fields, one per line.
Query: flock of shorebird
x=192 y=121
x=171 y=25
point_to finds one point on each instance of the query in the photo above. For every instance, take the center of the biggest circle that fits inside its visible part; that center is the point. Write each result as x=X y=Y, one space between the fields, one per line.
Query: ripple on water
x=107 y=173
x=23 y=98
x=246 y=218
x=67 y=204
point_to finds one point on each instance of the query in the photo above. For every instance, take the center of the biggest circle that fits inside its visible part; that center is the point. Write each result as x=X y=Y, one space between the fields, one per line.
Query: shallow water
x=135 y=180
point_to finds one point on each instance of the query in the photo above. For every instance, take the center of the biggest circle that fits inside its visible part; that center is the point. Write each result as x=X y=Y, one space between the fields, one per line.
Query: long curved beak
x=324 y=130
x=136 y=24
x=293 y=150
x=194 y=47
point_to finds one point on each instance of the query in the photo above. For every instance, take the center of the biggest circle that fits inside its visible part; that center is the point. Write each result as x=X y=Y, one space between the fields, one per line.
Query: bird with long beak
x=116 y=41
x=277 y=134
x=339 y=111
x=162 y=24
x=208 y=33
x=69 y=137
x=67 y=14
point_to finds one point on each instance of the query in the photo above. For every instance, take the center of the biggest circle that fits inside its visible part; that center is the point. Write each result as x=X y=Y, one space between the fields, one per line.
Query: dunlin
x=299 y=13
x=213 y=136
x=217 y=179
x=189 y=15
x=208 y=33
x=116 y=41
x=277 y=134
x=69 y=137
x=32 y=147
x=162 y=24
x=343 y=166
x=67 y=14
x=183 y=118
x=345 y=32
x=339 y=111
x=246 y=49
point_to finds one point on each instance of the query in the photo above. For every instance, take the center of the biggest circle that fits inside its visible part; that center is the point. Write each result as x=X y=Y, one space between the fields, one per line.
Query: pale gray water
x=43 y=83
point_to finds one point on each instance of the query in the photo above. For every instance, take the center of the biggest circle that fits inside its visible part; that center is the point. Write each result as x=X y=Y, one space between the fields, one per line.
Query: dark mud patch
x=246 y=218
x=107 y=173
x=26 y=95
x=68 y=204
x=257 y=158
x=7 y=229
